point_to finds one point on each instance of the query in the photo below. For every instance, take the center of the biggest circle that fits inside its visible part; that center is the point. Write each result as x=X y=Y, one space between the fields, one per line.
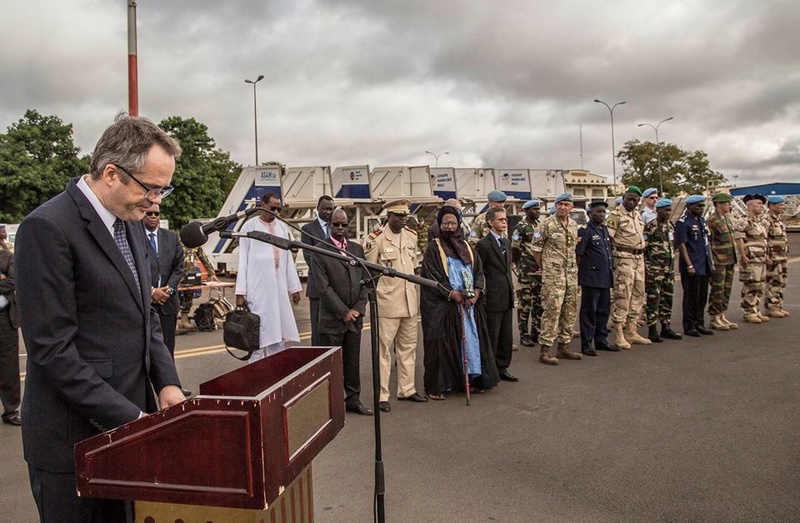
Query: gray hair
x=126 y=143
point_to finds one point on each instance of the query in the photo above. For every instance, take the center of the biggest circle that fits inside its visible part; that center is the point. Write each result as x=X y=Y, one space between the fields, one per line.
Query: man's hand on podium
x=169 y=396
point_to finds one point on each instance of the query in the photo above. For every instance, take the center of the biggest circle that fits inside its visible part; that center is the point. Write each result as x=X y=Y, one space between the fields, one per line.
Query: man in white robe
x=267 y=280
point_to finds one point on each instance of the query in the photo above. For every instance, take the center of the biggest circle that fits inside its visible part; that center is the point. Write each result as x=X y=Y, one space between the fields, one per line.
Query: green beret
x=635 y=190
x=722 y=198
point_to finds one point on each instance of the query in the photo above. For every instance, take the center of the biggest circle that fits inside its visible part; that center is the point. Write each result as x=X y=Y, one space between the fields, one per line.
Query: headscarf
x=452 y=242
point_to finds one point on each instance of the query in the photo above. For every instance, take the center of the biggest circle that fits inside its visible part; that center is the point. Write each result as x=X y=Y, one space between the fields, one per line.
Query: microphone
x=195 y=234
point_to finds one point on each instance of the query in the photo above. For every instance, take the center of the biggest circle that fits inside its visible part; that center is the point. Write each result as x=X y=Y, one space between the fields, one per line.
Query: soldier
x=723 y=252
x=479 y=227
x=778 y=251
x=649 y=197
x=659 y=272
x=626 y=229
x=190 y=259
x=691 y=238
x=554 y=251
x=751 y=243
x=395 y=246
x=529 y=275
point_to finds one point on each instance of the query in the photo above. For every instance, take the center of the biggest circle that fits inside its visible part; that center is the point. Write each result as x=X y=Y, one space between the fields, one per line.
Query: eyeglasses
x=153 y=213
x=652 y=197
x=338 y=224
x=150 y=193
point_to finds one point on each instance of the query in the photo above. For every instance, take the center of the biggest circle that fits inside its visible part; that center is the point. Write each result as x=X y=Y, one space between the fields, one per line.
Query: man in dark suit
x=313 y=232
x=495 y=252
x=9 y=342
x=95 y=350
x=343 y=301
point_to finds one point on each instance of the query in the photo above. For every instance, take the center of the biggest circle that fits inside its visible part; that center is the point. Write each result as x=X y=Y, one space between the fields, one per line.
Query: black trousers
x=9 y=365
x=695 y=296
x=314 y=310
x=350 y=342
x=593 y=319
x=168 y=326
x=58 y=502
x=501 y=336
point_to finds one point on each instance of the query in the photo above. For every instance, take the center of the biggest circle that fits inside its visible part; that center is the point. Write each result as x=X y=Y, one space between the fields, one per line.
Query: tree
x=37 y=159
x=204 y=175
x=687 y=171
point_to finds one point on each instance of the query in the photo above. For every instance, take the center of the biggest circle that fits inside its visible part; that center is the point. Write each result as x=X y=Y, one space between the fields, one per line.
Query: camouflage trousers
x=529 y=306
x=753 y=278
x=628 y=295
x=721 y=281
x=186 y=299
x=560 y=306
x=775 y=284
x=660 y=284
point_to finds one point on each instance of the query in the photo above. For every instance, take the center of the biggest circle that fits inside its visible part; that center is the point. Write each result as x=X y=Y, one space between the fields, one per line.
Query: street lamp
x=613 y=149
x=436 y=156
x=658 y=150
x=255 y=109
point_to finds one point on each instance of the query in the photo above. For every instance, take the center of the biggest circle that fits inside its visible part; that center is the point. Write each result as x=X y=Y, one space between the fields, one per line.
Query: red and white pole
x=133 y=74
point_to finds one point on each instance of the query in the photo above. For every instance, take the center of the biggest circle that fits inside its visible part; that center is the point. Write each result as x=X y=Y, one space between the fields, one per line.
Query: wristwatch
x=170 y=291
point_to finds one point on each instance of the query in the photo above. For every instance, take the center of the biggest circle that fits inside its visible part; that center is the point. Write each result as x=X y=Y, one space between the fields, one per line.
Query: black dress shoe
x=384 y=406
x=526 y=341
x=702 y=330
x=693 y=333
x=589 y=352
x=416 y=398
x=610 y=348
x=506 y=376
x=12 y=419
x=359 y=408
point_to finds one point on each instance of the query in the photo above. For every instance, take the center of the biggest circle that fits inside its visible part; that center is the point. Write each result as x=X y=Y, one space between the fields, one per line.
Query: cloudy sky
x=497 y=83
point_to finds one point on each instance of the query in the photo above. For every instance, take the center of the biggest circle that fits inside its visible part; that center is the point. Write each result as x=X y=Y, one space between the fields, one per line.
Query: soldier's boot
x=184 y=322
x=619 y=335
x=764 y=319
x=564 y=352
x=717 y=323
x=545 y=356
x=633 y=337
x=728 y=322
x=774 y=313
x=652 y=334
x=785 y=313
x=753 y=318
x=668 y=333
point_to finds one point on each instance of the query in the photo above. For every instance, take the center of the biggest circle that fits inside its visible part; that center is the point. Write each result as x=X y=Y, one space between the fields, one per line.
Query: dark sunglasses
x=153 y=213
x=338 y=224
x=275 y=209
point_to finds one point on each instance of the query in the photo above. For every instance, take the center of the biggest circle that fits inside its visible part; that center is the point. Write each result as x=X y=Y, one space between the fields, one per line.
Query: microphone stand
x=375 y=271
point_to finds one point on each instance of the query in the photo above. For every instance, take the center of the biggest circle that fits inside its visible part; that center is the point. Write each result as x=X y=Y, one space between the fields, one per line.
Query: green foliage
x=204 y=175
x=37 y=159
x=687 y=171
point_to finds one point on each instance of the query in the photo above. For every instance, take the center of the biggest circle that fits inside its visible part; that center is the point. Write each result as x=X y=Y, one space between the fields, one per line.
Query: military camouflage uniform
x=191 y=257
x=479 y=229
x=723 y=252
x=529 y=290
x=659 y=270
x=754 y=275
x=778 y=248
x=627 y=237
x=557 y=244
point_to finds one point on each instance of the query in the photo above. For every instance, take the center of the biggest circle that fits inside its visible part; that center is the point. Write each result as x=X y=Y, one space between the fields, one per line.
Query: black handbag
x=241 y=331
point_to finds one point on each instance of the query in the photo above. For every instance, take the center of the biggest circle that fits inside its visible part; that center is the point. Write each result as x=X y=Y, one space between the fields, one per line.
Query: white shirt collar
x=105 y=215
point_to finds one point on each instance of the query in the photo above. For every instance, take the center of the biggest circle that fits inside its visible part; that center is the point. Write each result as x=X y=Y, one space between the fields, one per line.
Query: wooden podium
x=245 y=445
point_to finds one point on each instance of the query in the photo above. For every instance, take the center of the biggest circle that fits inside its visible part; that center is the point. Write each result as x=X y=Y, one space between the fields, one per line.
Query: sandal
x=437 y=397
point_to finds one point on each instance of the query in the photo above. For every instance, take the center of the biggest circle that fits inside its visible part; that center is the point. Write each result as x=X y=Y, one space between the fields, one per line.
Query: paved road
x=693 y=430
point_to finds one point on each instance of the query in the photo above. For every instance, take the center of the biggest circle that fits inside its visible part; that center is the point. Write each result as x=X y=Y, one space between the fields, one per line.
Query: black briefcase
x=241 y=331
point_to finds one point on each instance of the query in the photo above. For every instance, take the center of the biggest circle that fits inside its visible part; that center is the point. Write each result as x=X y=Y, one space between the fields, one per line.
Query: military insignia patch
x=515 y=236
x=537 y=235
x=473 y=234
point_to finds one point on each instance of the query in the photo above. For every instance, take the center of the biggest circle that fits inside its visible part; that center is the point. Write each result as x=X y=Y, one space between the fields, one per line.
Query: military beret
x=634 y=190
x=566 y=197
x=722 y=198
x=598 y=203
x=695 y=198
x=397 y=207
x=618 y=200
x=664 y=202
x=775 y=198
x=497 y=196
x=530 y=203
x=552 y=209
x=748 y=197
x=649 y=192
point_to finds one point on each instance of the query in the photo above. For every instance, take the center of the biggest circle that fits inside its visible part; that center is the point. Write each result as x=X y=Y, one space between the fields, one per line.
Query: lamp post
x=658 y=151
x=613 y=148
x=436 y=156
x=255 y=109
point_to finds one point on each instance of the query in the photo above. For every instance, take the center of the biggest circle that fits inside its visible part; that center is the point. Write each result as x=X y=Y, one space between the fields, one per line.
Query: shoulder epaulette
x=375 y=234
x=409 y=229
x=585 y=226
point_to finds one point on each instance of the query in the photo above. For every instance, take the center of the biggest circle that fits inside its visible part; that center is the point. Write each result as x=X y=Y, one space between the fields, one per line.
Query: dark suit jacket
x=596 y=260
x=95 y=350
x=339 y=290
x=7 y=285
x=168 y=264
x=315 y=234
x=499 y=295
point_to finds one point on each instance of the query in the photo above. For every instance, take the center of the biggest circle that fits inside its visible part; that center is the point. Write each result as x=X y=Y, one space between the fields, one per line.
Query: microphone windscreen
x=192 y=235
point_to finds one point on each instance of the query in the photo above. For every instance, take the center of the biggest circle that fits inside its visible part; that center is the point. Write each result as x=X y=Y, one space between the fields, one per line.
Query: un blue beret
x=552 y=209
x=566 y=197
x=695 y=198
x=496 y=196
x=530 y=203
x=664 y=202
x=775 y=199
x=618 y=200
x=650 y=191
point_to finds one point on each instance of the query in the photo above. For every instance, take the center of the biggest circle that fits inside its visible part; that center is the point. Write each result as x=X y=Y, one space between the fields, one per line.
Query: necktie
x=502 y=245
x=153 y=242
x=125 y=249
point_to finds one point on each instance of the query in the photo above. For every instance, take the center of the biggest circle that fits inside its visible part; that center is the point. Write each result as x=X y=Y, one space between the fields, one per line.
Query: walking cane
x=464 y=357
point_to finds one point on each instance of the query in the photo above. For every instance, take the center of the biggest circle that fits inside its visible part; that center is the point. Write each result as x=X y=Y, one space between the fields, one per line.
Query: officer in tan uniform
x=751 y=242
x=479 y=227
x=626 y=229
x=778 y=247
x=395 y=246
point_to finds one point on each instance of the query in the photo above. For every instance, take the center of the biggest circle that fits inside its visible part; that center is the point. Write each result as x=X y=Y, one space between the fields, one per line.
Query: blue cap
x=775 y=199
x=665 y=202
x=496 y=196
x=649 y=192
x=530 y=203
x=566 y=197
x=695 y=198
x=552 y=209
